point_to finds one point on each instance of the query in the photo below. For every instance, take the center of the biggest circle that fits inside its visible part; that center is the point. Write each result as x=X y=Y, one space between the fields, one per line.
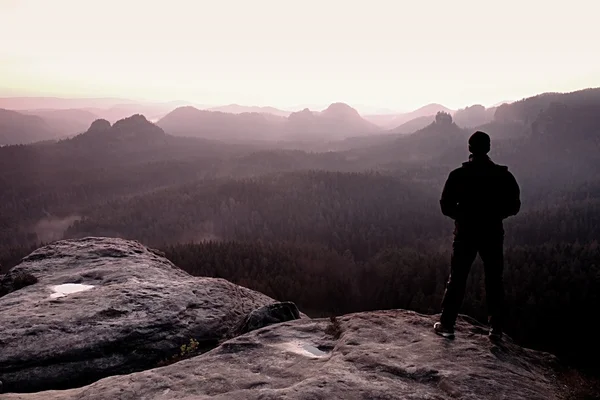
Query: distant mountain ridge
x=475 y=115
x=67 y=121
x=238 y=109
x=60 y=118
x=18 y=128
x=132 y=140
x=72 y=110
x=132 y=129
x=192 y=122
x=337 y=121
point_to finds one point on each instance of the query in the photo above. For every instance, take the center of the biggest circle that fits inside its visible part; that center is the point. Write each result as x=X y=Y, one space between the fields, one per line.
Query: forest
x=336 y=227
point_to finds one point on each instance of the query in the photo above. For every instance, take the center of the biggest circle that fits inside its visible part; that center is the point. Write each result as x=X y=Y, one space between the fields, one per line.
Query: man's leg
x=464 y=252
x=492 y=254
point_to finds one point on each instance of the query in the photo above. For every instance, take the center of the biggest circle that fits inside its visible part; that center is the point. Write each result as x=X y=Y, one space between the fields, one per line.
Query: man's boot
x=444 y=330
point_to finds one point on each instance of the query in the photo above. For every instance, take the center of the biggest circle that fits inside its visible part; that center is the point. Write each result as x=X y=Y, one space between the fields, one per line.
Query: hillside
x=269 y=208
x=192 y=122
x=68 y=121
x=526 y=110
x=414 y=125
x=338 y=121
x=391 y=121
x=433 y=143
x=19 y=128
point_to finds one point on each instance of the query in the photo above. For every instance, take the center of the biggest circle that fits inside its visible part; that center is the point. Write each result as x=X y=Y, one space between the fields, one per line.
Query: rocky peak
x=136 y=124
x=443 y=118
x=186 y=111
x=99 y=125
x=305 y=113
x=127 y=129
x=340 y=110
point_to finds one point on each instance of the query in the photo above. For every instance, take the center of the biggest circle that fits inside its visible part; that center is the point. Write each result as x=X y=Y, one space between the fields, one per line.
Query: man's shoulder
x=502 y=169
x=504 y=174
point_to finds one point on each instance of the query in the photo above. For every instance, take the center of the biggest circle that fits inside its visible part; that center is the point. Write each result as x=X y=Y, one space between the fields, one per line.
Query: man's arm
x=513 y=193
x=449 y=200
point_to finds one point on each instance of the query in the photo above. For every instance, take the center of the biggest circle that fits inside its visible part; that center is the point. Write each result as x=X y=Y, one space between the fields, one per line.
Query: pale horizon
x=386 y=55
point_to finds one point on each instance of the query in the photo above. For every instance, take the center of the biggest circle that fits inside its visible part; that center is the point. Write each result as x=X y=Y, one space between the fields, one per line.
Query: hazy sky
x=394 y=54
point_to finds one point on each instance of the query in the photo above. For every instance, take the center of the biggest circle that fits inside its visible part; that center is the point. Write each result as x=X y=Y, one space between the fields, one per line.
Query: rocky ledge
x=80 y=310
x=376 y=355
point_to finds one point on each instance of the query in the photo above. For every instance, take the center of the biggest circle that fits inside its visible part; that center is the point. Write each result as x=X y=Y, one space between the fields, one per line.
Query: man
x=478 y=196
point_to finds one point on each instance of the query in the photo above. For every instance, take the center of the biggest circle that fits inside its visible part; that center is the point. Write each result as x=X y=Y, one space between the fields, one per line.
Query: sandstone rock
x=379 y=355
x=138 y=310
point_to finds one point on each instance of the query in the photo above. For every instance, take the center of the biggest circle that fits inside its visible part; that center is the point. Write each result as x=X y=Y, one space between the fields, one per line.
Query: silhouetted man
x=478 y=196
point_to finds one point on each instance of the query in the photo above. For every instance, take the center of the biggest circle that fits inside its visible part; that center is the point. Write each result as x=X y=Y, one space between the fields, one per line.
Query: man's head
x=479 y=143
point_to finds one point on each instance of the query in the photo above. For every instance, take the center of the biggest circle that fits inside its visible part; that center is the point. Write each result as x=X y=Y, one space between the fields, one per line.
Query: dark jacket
x=480 y=193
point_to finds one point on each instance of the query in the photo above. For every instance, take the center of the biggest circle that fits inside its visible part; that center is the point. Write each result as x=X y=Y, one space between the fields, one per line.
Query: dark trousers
x=490 y=246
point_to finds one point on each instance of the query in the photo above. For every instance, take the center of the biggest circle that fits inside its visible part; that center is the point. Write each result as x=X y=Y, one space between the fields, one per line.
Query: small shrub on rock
x=188 y=350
